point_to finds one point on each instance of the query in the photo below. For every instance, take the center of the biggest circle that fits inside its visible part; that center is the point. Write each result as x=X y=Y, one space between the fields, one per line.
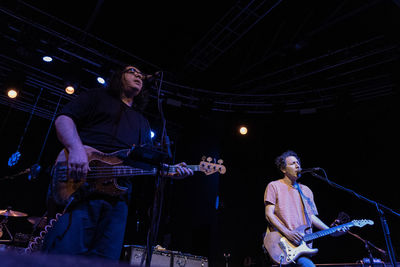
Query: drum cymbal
x=36 y=220
x=12 y=213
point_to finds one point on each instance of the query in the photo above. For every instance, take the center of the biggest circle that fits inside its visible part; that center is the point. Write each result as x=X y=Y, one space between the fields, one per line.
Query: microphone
x=152 y=77
x=310 y=170
x=34 y=171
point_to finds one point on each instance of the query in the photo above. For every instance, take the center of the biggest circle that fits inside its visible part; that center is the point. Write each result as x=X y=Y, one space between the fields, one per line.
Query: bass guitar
x=104 y=170
x=284 y=252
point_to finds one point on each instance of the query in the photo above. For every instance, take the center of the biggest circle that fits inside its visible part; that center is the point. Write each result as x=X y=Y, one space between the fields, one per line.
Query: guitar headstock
x=362 y=223
x=209 y=167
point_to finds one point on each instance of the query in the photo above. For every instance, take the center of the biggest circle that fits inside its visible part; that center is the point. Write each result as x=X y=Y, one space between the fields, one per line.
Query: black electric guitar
x=282 y=251
x=105 y=168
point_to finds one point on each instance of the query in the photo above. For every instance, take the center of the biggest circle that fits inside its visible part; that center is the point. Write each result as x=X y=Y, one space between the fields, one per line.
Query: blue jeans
x=303 y=262
x=94 y=227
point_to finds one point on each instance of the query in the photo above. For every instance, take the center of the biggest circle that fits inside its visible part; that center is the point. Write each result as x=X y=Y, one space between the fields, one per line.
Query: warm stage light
x=12 y=93
x=243 y=130
x=69 y=89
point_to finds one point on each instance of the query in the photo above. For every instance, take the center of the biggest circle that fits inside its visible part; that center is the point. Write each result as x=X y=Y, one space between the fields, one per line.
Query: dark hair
x=115 y=88
x=280 y=161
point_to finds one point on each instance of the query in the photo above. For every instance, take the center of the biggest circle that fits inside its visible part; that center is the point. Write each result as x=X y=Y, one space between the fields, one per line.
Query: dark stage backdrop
x=355 y=144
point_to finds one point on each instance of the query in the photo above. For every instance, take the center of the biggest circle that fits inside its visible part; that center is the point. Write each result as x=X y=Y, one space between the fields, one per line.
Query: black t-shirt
x=106 y=123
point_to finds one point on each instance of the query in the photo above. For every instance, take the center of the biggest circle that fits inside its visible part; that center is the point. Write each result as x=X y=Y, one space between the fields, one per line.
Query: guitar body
x=105 y=168
x=105 y=181
x=282 y=251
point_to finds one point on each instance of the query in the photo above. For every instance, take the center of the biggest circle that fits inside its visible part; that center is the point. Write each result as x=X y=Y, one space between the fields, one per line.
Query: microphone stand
x=160 y=184
x=156 y=215
x=379 y=207
x=368 y=246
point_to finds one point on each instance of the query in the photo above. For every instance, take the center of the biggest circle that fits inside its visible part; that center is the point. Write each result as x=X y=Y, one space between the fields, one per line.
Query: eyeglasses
x=139 y=74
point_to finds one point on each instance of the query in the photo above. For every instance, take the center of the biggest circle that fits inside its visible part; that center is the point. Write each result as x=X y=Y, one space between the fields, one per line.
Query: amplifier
x=162 y=258
x=187 y=260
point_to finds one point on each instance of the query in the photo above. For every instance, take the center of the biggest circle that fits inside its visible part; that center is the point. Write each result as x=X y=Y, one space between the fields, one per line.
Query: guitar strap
x=302 y=196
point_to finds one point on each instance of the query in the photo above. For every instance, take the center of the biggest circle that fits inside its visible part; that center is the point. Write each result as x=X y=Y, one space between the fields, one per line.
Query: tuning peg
x=209 y=159
x=203 y=158
x=220 y=161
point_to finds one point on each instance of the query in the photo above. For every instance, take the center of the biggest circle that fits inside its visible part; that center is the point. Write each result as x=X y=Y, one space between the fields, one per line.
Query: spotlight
x=243 y=130
x=14 y=159
x=13 y=83
x=152 y=134
x=70 y=89
x=101 y=80
x=217 y=202
x=12 y=93
x=47 y=59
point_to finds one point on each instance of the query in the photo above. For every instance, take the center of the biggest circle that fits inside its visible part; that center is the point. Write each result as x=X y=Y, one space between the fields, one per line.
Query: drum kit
x=6 y=237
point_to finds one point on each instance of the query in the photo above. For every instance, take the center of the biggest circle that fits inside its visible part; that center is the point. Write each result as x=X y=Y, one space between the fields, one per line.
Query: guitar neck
x=119 y=171
x=195 y=168
x=309 y=237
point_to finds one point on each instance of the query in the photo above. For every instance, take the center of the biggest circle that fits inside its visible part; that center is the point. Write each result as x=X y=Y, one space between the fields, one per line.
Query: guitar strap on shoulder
x=297 y=186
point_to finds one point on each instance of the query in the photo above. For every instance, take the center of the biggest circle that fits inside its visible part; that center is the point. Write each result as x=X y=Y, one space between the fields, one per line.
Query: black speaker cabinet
x=165 y=258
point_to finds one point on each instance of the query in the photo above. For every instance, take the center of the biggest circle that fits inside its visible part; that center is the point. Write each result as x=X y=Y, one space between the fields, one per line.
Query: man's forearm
x=67 y=133
x=318 y=223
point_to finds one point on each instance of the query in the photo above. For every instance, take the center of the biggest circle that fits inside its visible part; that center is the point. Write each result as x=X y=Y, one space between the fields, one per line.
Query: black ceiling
x=238 y=56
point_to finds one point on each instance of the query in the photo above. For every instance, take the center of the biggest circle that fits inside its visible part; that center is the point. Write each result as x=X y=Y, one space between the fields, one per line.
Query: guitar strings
x=121 y=171
x=193 y=167
x=109 y=173
x=112 y=171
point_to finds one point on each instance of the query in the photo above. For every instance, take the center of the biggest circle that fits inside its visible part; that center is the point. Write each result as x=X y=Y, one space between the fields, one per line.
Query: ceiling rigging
x=259 y=57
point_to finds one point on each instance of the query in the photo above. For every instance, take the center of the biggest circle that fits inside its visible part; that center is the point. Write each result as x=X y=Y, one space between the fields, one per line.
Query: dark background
x=317 y=79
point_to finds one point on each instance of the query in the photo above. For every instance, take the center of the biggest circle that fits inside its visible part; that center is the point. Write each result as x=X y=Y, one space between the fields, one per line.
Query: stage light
x=217 y=203
x=243 y=130
x=47 y=59
x=152 y=134
x=69 y=89
x=101 y=80
x=12 y=93
x=70 y=86
x=14 y=158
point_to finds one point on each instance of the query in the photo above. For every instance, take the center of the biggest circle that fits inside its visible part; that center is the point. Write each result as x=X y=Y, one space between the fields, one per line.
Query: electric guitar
x=284 y=252
x=104 y=170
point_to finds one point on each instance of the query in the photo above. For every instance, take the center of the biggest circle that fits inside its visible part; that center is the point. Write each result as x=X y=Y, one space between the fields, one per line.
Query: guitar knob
x=220 y=161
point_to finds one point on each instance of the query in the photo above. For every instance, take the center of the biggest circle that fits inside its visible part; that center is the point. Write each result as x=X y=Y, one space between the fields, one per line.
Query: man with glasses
x=108 y=121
